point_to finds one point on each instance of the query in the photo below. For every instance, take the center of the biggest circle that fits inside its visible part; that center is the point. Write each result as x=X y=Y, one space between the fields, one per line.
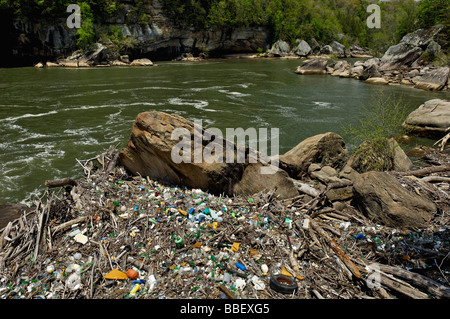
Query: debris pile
x=112 y=235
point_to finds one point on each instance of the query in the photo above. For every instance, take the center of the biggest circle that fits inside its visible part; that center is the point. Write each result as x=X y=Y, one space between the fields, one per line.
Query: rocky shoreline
x=402 y=64
x=406 y=63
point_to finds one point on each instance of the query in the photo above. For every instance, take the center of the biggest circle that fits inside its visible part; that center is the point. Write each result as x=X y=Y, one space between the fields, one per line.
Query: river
x=51 y=117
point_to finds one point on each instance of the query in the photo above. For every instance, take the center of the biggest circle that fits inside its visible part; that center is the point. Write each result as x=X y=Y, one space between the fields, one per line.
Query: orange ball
x=132 y=274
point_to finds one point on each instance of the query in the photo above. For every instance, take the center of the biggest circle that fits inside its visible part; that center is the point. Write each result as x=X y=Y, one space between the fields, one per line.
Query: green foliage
x=113 y=35
x=379 y=124
x=86 y=34
x=289 y=20
x=432 y=12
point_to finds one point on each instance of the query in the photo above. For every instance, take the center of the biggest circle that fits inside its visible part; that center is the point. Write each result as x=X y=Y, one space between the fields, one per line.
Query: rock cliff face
x=28 y=42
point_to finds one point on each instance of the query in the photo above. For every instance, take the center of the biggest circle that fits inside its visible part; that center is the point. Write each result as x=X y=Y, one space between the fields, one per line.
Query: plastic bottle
x=179 y=242
x=241 y=266
x=151 y=282
x=135 y=289
x=73 y=282
x=226 y=277
x=264 y=269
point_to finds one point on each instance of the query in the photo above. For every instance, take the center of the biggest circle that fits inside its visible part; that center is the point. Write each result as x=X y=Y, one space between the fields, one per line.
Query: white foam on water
x=28 y=115
x=198 y=104
x=215 y=87
x=78 y=132
x=87 y=141
x=30 y=136
x=96 y=92
x=234 y=94
x=325 y=106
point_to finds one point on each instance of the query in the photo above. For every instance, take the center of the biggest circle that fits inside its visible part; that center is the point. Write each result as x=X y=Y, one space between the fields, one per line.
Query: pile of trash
x=111 y=235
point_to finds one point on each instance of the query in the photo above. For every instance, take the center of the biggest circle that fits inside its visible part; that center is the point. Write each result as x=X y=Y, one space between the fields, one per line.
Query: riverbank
x=329 y=241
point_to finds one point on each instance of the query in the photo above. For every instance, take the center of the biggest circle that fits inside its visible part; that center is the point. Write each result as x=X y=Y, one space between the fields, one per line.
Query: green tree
x=433 y=12
x=86 y=34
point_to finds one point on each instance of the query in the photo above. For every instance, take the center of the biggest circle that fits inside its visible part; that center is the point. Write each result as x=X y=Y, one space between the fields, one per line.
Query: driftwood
x=344 y=258
x=424 y=282
x=117 y=210
x=60 y=182
x=436 y=179
x=426 y=171
x=69 y=224
x=401 y=287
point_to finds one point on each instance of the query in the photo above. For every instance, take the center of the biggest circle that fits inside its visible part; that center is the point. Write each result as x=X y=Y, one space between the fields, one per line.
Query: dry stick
x=38 y=237
x=426 y=171
x=342 y=256
x=401 y=287
x=92 y=276
x=138 y=263
x=60 y=182
x=436 y=179
x=69 y=224
x=5 y=234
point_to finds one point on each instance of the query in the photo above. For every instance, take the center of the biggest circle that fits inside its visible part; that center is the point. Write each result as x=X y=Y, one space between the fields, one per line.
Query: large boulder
x=326 y=50
x=313 y=66
x=421 y=37
x=399 y=56
x=357 y=71
x=382 y=198
x=430 y=119
x=379 y=155
x=94 y=55
x=409 y=49
x=433 y=80
x=141 y=62
x=357 y=52
x=154 y=150
x=339 y=67
x=302 y=48
x=280 y=49
x=370 y=71
x=338 y=49
x=377 y=80
x=326 y=149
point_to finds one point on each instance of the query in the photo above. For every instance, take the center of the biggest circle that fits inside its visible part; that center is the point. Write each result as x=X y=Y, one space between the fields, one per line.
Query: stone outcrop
x=149 y=153
x=141 y=62
x=160 y=40
x=313 y=66
x=430 y=119
x=326 y=149
x=341 y=68
x=382 y=198
x=280 y=49
x=302 y=48
x=400 y=56
x=97 y=55
x=384 y=155
x=339 y=49
x=434 y=80
x=404 y=63
x=377 y=80
x=357 y=52
x=409 y=49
